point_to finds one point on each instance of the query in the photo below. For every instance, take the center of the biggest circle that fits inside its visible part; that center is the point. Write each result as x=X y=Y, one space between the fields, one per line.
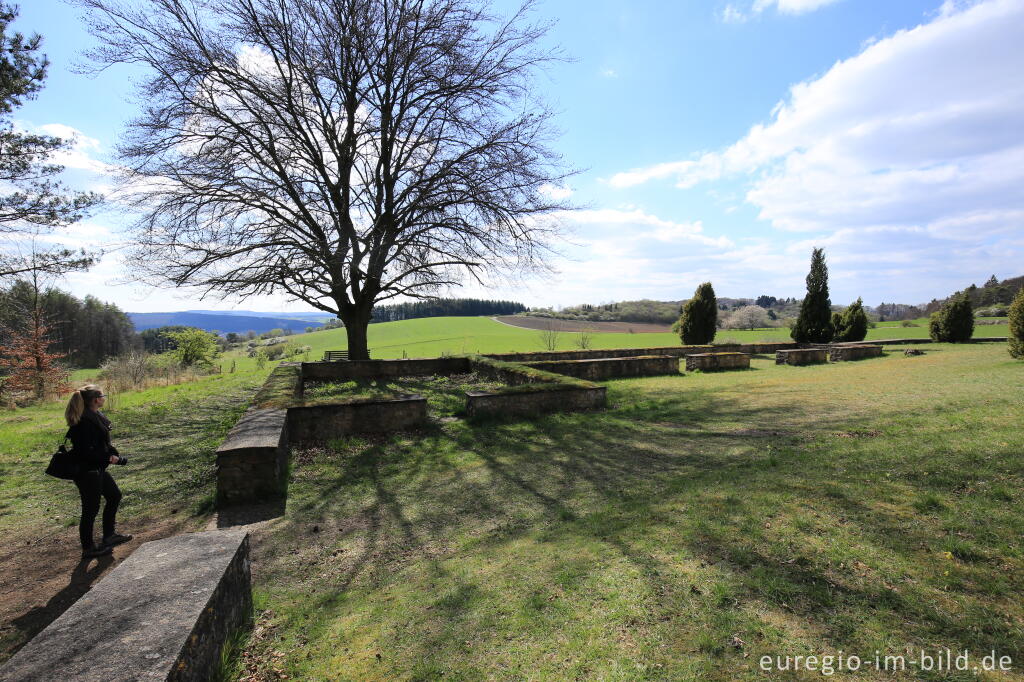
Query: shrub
x=814 y=324
x=194 y=346
x=909 y=323
x=954 y=321
x=852 y=325
x=699 y=317
x=992 y=311
x=1016 y=315
x=129 y=371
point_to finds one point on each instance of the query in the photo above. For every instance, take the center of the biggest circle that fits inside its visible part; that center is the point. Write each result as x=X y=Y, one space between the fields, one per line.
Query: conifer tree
x=852 y=324
x=699 y=317
x=1016 y=316
x=954 y=321
x=814 y=324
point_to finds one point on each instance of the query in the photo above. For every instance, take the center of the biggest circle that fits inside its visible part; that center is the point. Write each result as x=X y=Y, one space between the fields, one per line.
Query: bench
x=339 y=355
x=165 y=613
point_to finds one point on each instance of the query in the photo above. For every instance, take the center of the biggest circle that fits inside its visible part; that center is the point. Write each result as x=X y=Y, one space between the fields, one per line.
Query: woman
x=89 y=431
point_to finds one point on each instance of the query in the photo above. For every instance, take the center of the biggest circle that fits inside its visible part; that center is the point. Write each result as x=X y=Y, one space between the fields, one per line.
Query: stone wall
x=802 y=356
x=252 y=462
x=325 y=422
x=368 y=369
x=675 y=351
x=165 y=613
x=713 y=361
x=534 y=403
x=842 y=353
x=612 y=368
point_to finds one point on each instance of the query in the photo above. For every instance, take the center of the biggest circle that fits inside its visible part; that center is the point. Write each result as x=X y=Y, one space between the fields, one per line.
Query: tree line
x=445 y=307
x=84 y=332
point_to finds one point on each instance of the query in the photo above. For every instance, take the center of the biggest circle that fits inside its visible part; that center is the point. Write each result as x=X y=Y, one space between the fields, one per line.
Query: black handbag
x=64 y=464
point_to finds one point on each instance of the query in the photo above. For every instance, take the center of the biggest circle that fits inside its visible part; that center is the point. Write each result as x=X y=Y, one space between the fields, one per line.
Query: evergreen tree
x=32 y=202
x=852 y=325
x=814 y=324
x=1016 y=317
x=699 y=316
x=954 y=321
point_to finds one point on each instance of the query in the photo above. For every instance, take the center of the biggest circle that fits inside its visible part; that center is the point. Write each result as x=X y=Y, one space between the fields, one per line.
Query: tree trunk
x=356 y=321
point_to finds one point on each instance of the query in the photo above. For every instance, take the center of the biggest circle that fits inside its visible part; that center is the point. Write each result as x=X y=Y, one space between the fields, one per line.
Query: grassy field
x=432 y=337
x=699 y=523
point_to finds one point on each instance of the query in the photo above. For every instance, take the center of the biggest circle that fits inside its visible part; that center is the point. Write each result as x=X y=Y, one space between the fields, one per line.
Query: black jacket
x=90 y=440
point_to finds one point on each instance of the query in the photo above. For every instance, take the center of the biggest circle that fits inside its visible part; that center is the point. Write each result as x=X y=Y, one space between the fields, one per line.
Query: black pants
x=91 y=485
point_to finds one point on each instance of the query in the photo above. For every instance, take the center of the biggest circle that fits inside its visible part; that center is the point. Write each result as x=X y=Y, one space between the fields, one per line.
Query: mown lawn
x=700 y=522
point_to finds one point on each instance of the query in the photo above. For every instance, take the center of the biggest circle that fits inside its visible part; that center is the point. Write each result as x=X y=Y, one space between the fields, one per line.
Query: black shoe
x=116 y=539
x=95 y=551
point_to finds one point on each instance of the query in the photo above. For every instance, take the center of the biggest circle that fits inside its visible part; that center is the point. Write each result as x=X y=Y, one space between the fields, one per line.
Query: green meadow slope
x=434 y=336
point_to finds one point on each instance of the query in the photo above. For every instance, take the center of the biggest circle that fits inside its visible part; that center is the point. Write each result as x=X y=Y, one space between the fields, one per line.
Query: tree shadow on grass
x=600 y=477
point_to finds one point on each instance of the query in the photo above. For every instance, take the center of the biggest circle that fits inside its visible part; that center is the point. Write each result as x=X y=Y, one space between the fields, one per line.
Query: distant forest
x=445 y=307
x=86 y=331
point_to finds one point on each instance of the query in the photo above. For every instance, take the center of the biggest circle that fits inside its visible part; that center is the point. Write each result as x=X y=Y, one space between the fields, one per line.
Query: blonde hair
x=79 y=399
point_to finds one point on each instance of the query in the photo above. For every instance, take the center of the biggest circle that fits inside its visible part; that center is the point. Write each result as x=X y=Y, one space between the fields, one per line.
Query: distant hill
x=312 y=317
x=222 y=322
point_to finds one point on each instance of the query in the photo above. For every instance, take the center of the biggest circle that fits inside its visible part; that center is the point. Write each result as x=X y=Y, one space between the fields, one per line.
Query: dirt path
x=44 y=576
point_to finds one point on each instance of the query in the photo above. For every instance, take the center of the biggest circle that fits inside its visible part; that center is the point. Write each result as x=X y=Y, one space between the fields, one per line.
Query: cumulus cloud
x=80 y=154
x=922 y=129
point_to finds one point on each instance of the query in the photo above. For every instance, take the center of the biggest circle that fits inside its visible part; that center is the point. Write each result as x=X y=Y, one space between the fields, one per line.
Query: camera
x=121 y=460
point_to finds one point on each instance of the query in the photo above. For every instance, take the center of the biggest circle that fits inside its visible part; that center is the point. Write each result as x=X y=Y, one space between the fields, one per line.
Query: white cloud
x=732 y=14
x=791 y=6
x=922 y=128
x=609 y=73
x=80 y=154
x=555 y=192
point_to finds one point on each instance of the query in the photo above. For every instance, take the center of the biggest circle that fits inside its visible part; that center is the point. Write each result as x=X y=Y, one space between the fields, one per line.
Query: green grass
x=445 y=395
x=436 y=336
x=700 y=522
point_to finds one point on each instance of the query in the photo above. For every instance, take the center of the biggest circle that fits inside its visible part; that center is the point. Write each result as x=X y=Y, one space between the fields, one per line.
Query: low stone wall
x=367 y=369
x=844 y=353
x=675 y=351
x=534 y=403
x=252 y=462
x=328 y=421
x=612 y=368
x=713 y=361
x=164 y=614
x=801 y=356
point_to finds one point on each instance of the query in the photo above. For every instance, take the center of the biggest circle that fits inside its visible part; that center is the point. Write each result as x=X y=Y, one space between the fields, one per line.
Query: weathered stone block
x=366 y=369
x=800 y=356
x=713 y=361
x=612 y=368
x=328 y=421
x=252 y=462
x=163 y=614
x=533 y=403
x=844 y=353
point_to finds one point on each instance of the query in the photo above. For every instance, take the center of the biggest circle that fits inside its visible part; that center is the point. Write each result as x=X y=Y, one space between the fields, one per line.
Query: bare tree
x=584 y=339
x=549 y=337
x=343 y=152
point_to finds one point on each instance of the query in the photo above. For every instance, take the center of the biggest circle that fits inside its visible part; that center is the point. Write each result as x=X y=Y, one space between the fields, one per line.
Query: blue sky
x=718 y=141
